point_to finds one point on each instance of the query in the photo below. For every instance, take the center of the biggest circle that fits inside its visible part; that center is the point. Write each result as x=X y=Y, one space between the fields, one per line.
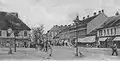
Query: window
x=115 y=30
x=111 y=31
x=8 y=34
x=104 y=32
x=107 y=31
x=0 y=33
x=100 y=32
x=25 y=33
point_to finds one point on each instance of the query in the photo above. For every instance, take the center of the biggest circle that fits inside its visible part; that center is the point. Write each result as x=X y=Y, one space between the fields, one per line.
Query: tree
x=37 y=34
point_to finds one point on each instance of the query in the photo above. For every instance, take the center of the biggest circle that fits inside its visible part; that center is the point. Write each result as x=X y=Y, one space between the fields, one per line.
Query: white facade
x=21 y=34
x=112 y=31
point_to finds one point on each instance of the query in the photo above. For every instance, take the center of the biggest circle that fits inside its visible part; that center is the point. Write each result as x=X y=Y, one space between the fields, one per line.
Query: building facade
x=11 y=27
x=86 y=28
x=109 y=32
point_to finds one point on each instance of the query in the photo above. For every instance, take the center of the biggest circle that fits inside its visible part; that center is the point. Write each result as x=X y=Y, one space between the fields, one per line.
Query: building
x=53 y=32
x=85 y=29
x=11 y=27
x=109 y=32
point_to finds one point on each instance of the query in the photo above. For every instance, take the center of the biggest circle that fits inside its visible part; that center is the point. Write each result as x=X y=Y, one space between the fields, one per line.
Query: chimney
x=65 y=25
x=117 y=13
x=15 y=14
x=99 y=12
x=69 y=25
x=88 y=16
x=83 y=18
x=94 y=13
x=61 y=26
x=102 y=11
x=77 y=18
x=56 y=26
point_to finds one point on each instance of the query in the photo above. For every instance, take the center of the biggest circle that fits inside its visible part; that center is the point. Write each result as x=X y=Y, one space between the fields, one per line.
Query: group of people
x=63 y=43
x=46 y=47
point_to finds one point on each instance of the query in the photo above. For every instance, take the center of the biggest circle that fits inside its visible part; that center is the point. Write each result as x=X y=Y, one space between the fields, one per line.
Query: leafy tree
x=37 y=34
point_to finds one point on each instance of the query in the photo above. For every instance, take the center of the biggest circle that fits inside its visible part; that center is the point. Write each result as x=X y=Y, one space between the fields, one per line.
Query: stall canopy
x=116 y=39
x=102 y=39
x=89 y=39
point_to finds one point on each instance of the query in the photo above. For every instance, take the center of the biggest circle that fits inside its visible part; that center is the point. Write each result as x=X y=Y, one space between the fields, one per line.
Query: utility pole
x=15 y=35
x=77 y=40
x=76 y=27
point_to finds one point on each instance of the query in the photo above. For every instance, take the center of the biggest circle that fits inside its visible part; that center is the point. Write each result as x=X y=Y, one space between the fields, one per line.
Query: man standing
x=50 y=49
x=114 y=50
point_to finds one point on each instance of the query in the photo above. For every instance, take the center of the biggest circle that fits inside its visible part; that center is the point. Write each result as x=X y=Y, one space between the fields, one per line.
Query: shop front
x=103 y=42
x=116 y=41
x=87 y=41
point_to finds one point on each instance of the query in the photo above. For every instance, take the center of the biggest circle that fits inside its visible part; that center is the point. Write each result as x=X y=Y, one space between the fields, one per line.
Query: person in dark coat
x=114 y=50
x=50 y=48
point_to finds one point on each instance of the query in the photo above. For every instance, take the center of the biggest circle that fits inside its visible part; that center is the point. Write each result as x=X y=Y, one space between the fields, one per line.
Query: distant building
x=53 y=32
x=109 y=32
x=85 y=28
x=11 y=21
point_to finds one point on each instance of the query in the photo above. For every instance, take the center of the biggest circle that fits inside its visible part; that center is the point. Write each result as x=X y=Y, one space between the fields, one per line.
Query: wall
x=113 y=31
x=96 y=22
x=21 y=34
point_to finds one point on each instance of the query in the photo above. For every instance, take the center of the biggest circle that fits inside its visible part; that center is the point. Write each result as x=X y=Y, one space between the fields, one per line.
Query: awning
x=90 y=39
x=116 y=39
x=102 y=39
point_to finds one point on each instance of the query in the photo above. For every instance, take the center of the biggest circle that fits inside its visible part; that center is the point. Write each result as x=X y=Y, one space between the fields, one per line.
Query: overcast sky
x=52 y=12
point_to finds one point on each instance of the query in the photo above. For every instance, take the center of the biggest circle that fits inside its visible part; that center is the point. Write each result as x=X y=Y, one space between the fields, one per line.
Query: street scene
x=60 y=30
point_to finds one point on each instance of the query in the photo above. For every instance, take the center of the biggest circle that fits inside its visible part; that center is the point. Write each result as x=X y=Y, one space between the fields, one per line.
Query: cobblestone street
x=59 y=53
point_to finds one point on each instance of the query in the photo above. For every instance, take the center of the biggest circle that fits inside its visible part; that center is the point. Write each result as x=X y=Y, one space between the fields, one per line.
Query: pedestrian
x=114 y=50
x=49 y=49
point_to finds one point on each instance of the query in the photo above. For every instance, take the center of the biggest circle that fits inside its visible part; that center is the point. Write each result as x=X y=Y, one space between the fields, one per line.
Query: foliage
x=37 y=33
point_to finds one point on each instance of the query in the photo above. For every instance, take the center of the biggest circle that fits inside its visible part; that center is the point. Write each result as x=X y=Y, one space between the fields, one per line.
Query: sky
x=57 y=12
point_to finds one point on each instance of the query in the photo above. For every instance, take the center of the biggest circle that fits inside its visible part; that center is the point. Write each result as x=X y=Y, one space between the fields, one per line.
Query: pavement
x=60 y=53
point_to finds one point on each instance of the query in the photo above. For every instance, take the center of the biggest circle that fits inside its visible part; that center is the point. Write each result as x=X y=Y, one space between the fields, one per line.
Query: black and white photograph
x=83 y=30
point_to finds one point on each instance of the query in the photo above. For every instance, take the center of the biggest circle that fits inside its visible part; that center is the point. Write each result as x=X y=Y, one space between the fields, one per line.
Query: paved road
x=60 y=53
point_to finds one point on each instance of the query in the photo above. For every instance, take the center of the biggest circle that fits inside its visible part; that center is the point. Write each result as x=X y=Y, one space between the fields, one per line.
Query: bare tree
x=37 y=34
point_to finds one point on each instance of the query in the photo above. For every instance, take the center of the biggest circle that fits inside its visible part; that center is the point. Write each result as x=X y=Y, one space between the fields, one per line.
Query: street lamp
x=15 y=35
x=76 y=41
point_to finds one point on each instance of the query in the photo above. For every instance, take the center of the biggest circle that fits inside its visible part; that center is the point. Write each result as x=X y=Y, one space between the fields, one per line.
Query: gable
x=96 y=22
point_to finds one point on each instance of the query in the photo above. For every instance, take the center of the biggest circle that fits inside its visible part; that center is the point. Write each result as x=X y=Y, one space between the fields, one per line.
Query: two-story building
x=109 y=32
x=11 y=27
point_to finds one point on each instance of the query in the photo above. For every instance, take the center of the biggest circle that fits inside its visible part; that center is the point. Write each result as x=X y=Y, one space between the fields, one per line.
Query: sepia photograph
x=53 y=30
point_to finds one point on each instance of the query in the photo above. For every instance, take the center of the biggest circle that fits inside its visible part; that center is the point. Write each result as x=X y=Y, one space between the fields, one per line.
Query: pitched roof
x=111 y=21
x=11 y=21
x=89 y=19
x=54 y=28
